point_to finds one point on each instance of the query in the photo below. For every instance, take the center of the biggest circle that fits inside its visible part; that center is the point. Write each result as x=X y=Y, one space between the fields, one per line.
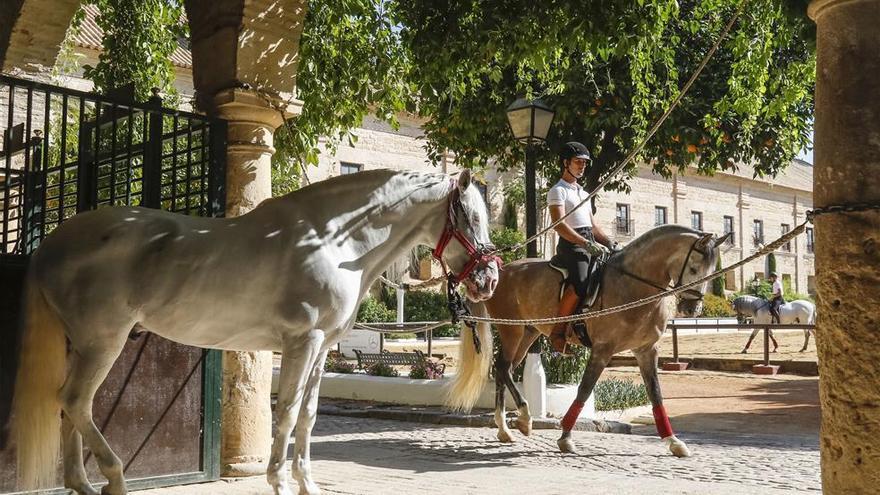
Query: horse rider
x=580 y=239
x=776 y=299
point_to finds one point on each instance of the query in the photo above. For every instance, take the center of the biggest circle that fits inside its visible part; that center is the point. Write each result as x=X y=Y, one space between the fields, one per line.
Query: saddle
x=594 y=278
x=594 y=281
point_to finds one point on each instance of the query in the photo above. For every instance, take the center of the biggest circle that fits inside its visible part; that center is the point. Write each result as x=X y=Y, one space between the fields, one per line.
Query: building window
x=697 y=220
x=346 y=168
x=730 y=280
x=758 y=233
x=811 y=246
x=623 y=222
x=660 y=217
x=728 y=229
x=785 y=228
x=786 y=282
x=811 y=285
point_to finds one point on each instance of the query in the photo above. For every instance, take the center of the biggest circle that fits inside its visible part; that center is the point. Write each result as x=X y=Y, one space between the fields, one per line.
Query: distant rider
x=776 y=299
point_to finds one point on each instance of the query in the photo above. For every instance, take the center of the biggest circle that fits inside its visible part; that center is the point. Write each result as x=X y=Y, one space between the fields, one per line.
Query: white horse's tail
x=473 y=367
x=36 y=421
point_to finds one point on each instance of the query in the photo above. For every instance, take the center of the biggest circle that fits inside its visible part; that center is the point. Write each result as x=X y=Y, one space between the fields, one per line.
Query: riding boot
x=567 y=306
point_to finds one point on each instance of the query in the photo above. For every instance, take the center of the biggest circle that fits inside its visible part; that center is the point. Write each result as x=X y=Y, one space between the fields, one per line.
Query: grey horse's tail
x=473 y=369
x=36 y=419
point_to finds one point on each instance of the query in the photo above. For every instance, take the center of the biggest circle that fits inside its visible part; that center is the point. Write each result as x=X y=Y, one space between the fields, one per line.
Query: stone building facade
x=756 y=210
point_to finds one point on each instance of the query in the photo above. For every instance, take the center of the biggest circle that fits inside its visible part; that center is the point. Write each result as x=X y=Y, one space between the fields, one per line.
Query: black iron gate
x=64 y=152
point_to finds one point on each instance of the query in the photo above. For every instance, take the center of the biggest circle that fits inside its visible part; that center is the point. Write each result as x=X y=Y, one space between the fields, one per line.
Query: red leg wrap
x=664 y=429
x=572 y=415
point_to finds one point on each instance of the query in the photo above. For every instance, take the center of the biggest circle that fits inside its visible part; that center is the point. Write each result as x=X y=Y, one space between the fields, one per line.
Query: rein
x=694 y=293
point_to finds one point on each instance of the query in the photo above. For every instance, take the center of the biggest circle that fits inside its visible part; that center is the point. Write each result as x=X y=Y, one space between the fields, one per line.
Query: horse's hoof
x=108 y=490
x=744 y=351
x=308 y=487
x=524 y=427
x=566 y=446
x=83 y=489
x=677 y=447
x=504 y=436
x=282 y=489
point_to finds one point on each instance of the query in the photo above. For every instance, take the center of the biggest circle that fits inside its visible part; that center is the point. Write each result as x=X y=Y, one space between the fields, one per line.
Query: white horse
x=286 y=277
x=757 y=308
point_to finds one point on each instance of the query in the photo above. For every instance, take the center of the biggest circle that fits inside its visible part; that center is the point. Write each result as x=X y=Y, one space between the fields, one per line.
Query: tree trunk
x=847 y=170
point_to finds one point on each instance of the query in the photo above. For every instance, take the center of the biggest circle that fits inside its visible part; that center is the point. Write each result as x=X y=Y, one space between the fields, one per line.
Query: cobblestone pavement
x=370 y=456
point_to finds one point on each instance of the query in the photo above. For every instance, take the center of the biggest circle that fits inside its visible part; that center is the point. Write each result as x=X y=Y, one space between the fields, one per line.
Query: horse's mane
x=661 y=230
x=366 y=181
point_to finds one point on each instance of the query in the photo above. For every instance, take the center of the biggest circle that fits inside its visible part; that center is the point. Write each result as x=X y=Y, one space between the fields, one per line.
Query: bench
x=391 y=358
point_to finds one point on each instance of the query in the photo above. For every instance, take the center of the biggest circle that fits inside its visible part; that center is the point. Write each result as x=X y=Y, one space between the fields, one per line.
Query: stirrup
x=555 y=338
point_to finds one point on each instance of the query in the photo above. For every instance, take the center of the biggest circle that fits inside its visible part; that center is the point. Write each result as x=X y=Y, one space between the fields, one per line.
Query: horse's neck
x=657 y=260
x=377 y=223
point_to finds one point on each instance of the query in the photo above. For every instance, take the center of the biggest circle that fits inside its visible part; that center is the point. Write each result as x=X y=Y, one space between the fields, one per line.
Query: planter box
x=407 y=391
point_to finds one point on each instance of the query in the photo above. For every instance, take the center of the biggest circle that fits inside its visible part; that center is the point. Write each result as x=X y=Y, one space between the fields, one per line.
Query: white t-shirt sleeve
x=556 y=196
x=777 y=288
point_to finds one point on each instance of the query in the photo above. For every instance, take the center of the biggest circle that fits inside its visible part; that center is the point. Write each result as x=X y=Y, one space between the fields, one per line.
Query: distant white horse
x=757 y=308
x=286 y=277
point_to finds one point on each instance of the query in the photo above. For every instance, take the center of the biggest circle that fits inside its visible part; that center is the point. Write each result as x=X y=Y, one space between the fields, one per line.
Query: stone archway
x=31 y=33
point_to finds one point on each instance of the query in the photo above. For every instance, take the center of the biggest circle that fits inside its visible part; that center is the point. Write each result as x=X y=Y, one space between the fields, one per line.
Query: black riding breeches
x=576 y=260
x=774 y=306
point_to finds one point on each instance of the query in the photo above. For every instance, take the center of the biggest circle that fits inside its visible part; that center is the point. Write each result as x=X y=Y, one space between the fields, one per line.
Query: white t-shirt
x=569 y=196
x=777 y=288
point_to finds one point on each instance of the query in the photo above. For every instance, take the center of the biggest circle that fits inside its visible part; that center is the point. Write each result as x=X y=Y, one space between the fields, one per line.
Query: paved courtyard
x=368 y=456
x=748 y=435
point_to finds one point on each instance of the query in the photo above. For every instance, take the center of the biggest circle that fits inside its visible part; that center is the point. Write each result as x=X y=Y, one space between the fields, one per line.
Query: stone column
x=247 y=376
x=847 y=170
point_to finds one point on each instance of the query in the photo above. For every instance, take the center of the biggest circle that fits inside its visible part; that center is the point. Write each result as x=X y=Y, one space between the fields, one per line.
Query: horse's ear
x=721 y=240
x=464 y=180
x=705 y=243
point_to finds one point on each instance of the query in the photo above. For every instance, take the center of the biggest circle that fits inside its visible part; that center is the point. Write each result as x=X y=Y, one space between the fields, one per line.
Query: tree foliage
x=609 y=69
x=139 y=38
x=353 y=64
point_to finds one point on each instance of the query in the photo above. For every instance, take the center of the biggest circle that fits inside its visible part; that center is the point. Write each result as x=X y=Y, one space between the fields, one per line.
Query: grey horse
x=758 y=309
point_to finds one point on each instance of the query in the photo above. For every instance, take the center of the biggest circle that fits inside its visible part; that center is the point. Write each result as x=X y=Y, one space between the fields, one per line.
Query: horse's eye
x=693 y=271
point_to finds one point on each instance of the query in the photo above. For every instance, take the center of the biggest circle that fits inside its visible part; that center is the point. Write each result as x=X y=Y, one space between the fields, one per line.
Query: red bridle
x=477 y=256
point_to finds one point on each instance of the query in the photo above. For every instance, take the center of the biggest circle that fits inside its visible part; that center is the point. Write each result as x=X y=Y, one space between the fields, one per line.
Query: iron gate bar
x=7 y=174
x=54 y=184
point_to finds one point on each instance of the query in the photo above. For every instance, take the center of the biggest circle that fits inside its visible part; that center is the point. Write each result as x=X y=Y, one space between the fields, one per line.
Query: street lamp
x=530 y=122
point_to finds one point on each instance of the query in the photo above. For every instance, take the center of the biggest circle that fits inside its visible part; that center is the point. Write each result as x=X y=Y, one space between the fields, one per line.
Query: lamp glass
x=543 y=120
x=520 y=123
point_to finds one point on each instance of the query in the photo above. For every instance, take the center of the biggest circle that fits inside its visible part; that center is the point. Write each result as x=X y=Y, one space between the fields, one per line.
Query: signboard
x=362 y=340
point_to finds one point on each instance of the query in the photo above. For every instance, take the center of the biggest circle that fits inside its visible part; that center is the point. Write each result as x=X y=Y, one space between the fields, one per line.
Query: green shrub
x=615 y=394
x=373 y=311
x=763 y=288
x=427 y=370
x=507 y=237
x=717 y=307
x=381 y=369
x=757 y=287
x=338 y=365
x=399 y=336
x=562 y=369
x=424 y=306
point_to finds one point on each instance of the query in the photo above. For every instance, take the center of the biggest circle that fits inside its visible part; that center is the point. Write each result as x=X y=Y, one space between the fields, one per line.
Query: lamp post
x=530 y=122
